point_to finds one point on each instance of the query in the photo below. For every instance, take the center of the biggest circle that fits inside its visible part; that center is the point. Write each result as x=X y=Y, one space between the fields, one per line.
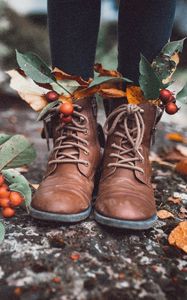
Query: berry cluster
x=66 y=109
x=8 y=199
x=169 y=101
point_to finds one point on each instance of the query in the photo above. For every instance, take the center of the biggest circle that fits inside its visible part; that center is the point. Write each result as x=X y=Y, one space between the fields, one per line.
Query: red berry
x=4 y=191
x=66 y=108
x=2 y=180
x=4 y=202
x=52 y=96
x=8 y=212
x=171 y=108
x=165 y=96
x=15 y=198
x=67 y=119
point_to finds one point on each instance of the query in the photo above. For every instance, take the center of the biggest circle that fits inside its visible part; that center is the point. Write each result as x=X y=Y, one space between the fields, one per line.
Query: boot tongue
x=148 y=114
x=71 y=168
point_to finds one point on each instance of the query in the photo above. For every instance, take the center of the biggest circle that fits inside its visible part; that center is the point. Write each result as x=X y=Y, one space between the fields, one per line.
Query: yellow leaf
x=134 y=95
x=175 y=136
x=178 y=236
x=164 y=214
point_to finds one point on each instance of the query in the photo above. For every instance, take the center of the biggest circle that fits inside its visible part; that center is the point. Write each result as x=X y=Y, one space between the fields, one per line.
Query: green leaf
x=34 y=67
x=16 y=152
x=18 y=183
x=170 y=48
x=45 y=109
x=4 y=137
x=149 y=81
x=108 y=79
x=2 y=232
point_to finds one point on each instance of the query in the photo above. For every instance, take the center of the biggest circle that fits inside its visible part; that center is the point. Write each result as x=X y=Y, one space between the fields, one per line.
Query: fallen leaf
x=176 y=137
x=178 y=236
x=164 y=214
x=28 y=90
x=98 y=68
x=134 y=95
x=181 y=167
x=174 y=200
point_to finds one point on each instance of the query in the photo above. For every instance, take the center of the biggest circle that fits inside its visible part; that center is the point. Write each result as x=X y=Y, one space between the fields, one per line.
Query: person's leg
x=144 y=27
x=65 y=193
x=126 y=197
x=73 y=30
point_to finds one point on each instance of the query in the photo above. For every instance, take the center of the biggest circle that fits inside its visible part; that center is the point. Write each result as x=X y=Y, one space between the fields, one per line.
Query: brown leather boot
x=125 y=198
x=66 y=191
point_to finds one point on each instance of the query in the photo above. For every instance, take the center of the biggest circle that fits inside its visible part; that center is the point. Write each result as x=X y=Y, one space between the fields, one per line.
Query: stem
x=64 y=89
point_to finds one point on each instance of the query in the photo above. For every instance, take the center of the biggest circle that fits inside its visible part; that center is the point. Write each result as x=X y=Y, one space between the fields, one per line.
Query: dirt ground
x=50 y=261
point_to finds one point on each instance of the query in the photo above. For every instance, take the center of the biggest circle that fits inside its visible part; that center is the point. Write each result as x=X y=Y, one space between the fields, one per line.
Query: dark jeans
x=144 y=26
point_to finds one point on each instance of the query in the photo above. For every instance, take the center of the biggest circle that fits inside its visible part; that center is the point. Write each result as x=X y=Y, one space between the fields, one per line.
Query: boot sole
x=71 y=218
x=125 y=224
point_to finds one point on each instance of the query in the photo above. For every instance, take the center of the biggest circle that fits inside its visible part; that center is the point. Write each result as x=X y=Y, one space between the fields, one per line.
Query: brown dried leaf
x=134 y=95
x=181 y=167
x=164 y=214
x=28 y=90
x=61 y=75
x=112 y=93
x=178 y=236
x=106 y=86
x=36 y=102
x=174 y=200
x=103 y=72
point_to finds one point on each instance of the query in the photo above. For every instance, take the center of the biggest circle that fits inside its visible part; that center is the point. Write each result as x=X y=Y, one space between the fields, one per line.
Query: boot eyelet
x=86 y=164
x=86 y=132
x=86 y=152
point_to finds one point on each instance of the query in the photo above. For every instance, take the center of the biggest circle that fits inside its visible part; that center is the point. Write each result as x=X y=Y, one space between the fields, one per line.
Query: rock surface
x=50 y=261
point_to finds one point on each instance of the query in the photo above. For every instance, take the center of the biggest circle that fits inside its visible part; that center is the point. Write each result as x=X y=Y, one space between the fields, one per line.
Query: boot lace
x=69 y=140
x=128 y=117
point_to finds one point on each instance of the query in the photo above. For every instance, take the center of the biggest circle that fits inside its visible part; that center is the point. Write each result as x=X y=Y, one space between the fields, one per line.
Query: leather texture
x=125 y=190
x=69 y=181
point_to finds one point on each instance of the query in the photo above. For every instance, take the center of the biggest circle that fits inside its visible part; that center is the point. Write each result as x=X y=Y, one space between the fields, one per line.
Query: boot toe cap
x=60 y=201
x=129 y=207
